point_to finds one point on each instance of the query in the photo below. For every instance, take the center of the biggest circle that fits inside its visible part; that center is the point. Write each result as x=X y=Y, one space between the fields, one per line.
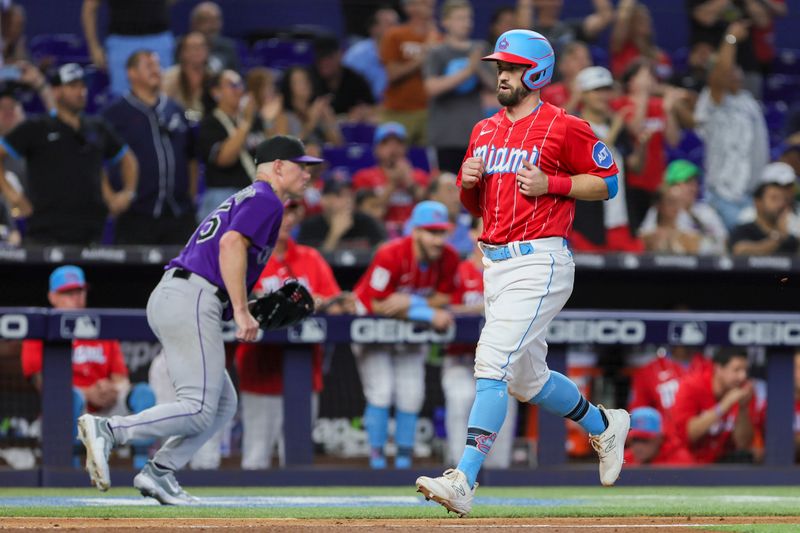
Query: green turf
x=594 y=501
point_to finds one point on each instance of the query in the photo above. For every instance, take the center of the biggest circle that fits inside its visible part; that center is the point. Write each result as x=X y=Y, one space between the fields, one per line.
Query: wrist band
x=559 y=185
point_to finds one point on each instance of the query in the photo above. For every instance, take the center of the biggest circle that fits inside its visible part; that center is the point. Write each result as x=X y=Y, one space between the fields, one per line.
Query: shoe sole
x=87 y=436
x=429 y=495
x=149 y=489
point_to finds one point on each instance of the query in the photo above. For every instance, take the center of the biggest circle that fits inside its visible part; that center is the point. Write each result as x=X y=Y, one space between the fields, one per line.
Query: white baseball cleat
x=610 y=444
x=96 y=436
x=450 y=490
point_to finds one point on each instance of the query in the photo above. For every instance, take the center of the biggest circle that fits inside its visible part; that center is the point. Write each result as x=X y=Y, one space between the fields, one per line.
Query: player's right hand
x=441 y=319
x=472 y=170
x=246 y=326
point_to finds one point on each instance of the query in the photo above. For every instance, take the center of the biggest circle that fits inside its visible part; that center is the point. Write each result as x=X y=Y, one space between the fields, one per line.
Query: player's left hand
x=531 y=180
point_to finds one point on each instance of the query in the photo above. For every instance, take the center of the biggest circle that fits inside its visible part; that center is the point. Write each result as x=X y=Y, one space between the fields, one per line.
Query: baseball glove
x=283 y=308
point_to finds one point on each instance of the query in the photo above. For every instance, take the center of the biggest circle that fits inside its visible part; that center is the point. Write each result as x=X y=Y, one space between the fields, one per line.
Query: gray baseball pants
x=186 y=316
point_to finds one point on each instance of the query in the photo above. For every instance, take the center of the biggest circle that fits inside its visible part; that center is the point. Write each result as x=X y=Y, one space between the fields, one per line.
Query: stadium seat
x=787 y=61
x=781 y=88
x=775 y=115
x=97 y=86
x=680 y=59
x=352 y=157
x=281 y=53
x=599 y=56
x=358 y=132
x=59 y=48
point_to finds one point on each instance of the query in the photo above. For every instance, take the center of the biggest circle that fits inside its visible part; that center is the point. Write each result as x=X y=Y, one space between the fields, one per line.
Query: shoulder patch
x=601 y=155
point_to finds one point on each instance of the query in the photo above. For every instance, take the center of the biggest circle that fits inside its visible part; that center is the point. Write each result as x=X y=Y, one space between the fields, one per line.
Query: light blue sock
x=376 y=420
x=485 y=420
x=405 y=429
x=561 y=397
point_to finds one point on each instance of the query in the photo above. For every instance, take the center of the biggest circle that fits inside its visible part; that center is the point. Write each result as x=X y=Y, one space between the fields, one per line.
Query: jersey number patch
x=211 y=226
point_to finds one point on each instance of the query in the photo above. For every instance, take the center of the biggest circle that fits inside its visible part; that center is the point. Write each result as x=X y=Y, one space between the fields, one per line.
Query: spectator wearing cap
x=349 y=92
x=68 y=194
x=731 y=124
x=603 y=226
x=340 y=225
x=564 y=93
x=652 y=121
x=771 y=233
x=695 y=214
x=156 y=129
x=454 y=77
x=403 y=50
x=206 y=18
x=100 y=381
x=362 y=57
x=132 y=26
x=411 y=277
x=649 y=444
x=399 y=184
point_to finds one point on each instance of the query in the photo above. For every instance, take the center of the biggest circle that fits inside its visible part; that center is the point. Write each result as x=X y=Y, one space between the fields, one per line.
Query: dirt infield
x=559 y=525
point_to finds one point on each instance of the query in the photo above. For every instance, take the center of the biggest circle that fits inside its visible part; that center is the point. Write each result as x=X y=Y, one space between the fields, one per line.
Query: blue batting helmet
x=526 y=47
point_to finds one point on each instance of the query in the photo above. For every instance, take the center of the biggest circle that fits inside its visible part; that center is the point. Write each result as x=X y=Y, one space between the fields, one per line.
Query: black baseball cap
x=67 y=73
x=286 y=148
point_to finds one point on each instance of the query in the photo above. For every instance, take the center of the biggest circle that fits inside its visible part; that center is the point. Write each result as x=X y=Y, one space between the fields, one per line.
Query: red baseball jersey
x=401 y=202
x=394 y=269
x=92 y=360
x=695 y=395
x=558 y=143
x=260 y=366
x=656 y=383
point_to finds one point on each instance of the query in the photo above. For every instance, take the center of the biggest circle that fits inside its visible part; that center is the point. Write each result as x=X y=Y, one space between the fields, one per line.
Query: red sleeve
x=421 y=177
x=450 y=261
x=116 y=360
x=584 y=153
x=380 y=279
x=471 y=198
x=31 y=357
x=362 y=179
x=685 y=409
x=325 y=285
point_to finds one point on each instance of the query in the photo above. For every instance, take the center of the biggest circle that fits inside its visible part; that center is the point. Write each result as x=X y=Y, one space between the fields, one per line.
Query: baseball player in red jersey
x=410 y=277
x=523 y=170
x=458 y=380
x=260 y=366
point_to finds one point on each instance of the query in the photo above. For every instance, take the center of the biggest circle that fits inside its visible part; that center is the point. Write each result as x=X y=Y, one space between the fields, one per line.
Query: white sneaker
x=161 y=485
x=450 y=490
x=94 y=433
x=610 y=444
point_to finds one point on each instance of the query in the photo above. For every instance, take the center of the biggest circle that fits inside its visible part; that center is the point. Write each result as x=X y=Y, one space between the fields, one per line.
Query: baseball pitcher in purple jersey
x=207 y=283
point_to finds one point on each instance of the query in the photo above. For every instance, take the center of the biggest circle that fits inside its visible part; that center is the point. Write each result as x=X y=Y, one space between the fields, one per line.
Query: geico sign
x=366 y=330
x=765 y=333
x=13 y=326
x=596 y=331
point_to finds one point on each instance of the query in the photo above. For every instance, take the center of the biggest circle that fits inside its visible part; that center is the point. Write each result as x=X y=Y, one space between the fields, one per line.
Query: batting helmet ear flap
x=534 y=79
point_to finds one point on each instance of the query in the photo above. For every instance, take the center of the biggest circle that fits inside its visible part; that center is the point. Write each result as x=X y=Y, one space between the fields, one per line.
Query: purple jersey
x=256 y=213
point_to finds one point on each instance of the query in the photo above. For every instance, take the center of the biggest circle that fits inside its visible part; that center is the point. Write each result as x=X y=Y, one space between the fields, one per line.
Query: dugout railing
x=779 y=333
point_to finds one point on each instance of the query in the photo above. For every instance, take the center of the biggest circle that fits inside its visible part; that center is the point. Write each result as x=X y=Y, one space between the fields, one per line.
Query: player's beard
x=512 y=98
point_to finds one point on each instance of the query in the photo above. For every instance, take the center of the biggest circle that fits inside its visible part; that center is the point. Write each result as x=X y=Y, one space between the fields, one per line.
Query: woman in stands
x=316 y=114
x=277 y=120
x=184 y=81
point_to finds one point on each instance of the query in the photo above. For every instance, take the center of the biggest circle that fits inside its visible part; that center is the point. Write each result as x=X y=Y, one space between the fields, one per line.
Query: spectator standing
x=260 y=366
x=732 y=125
x=132 y=26
x=399 y=184
x=573 y=59
x=651 y=121
x=206 y=18
x=632 y=37
x=454 y=76
x=226 y=138
x=603 y=226
x=668 y=236
x=409 y=278
x=185 y=81
x=15 y=47
x=695 y=215
x=715 y=409
x=350 y=93
x=68 y=195
x=769 y=233
x=316 y=114
x=544 y=16
x=403 y=50
x=649 y=444
x=339 y=225
x=363 y=58
x=100 y=381
x=156 y=129
x=260 y=83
